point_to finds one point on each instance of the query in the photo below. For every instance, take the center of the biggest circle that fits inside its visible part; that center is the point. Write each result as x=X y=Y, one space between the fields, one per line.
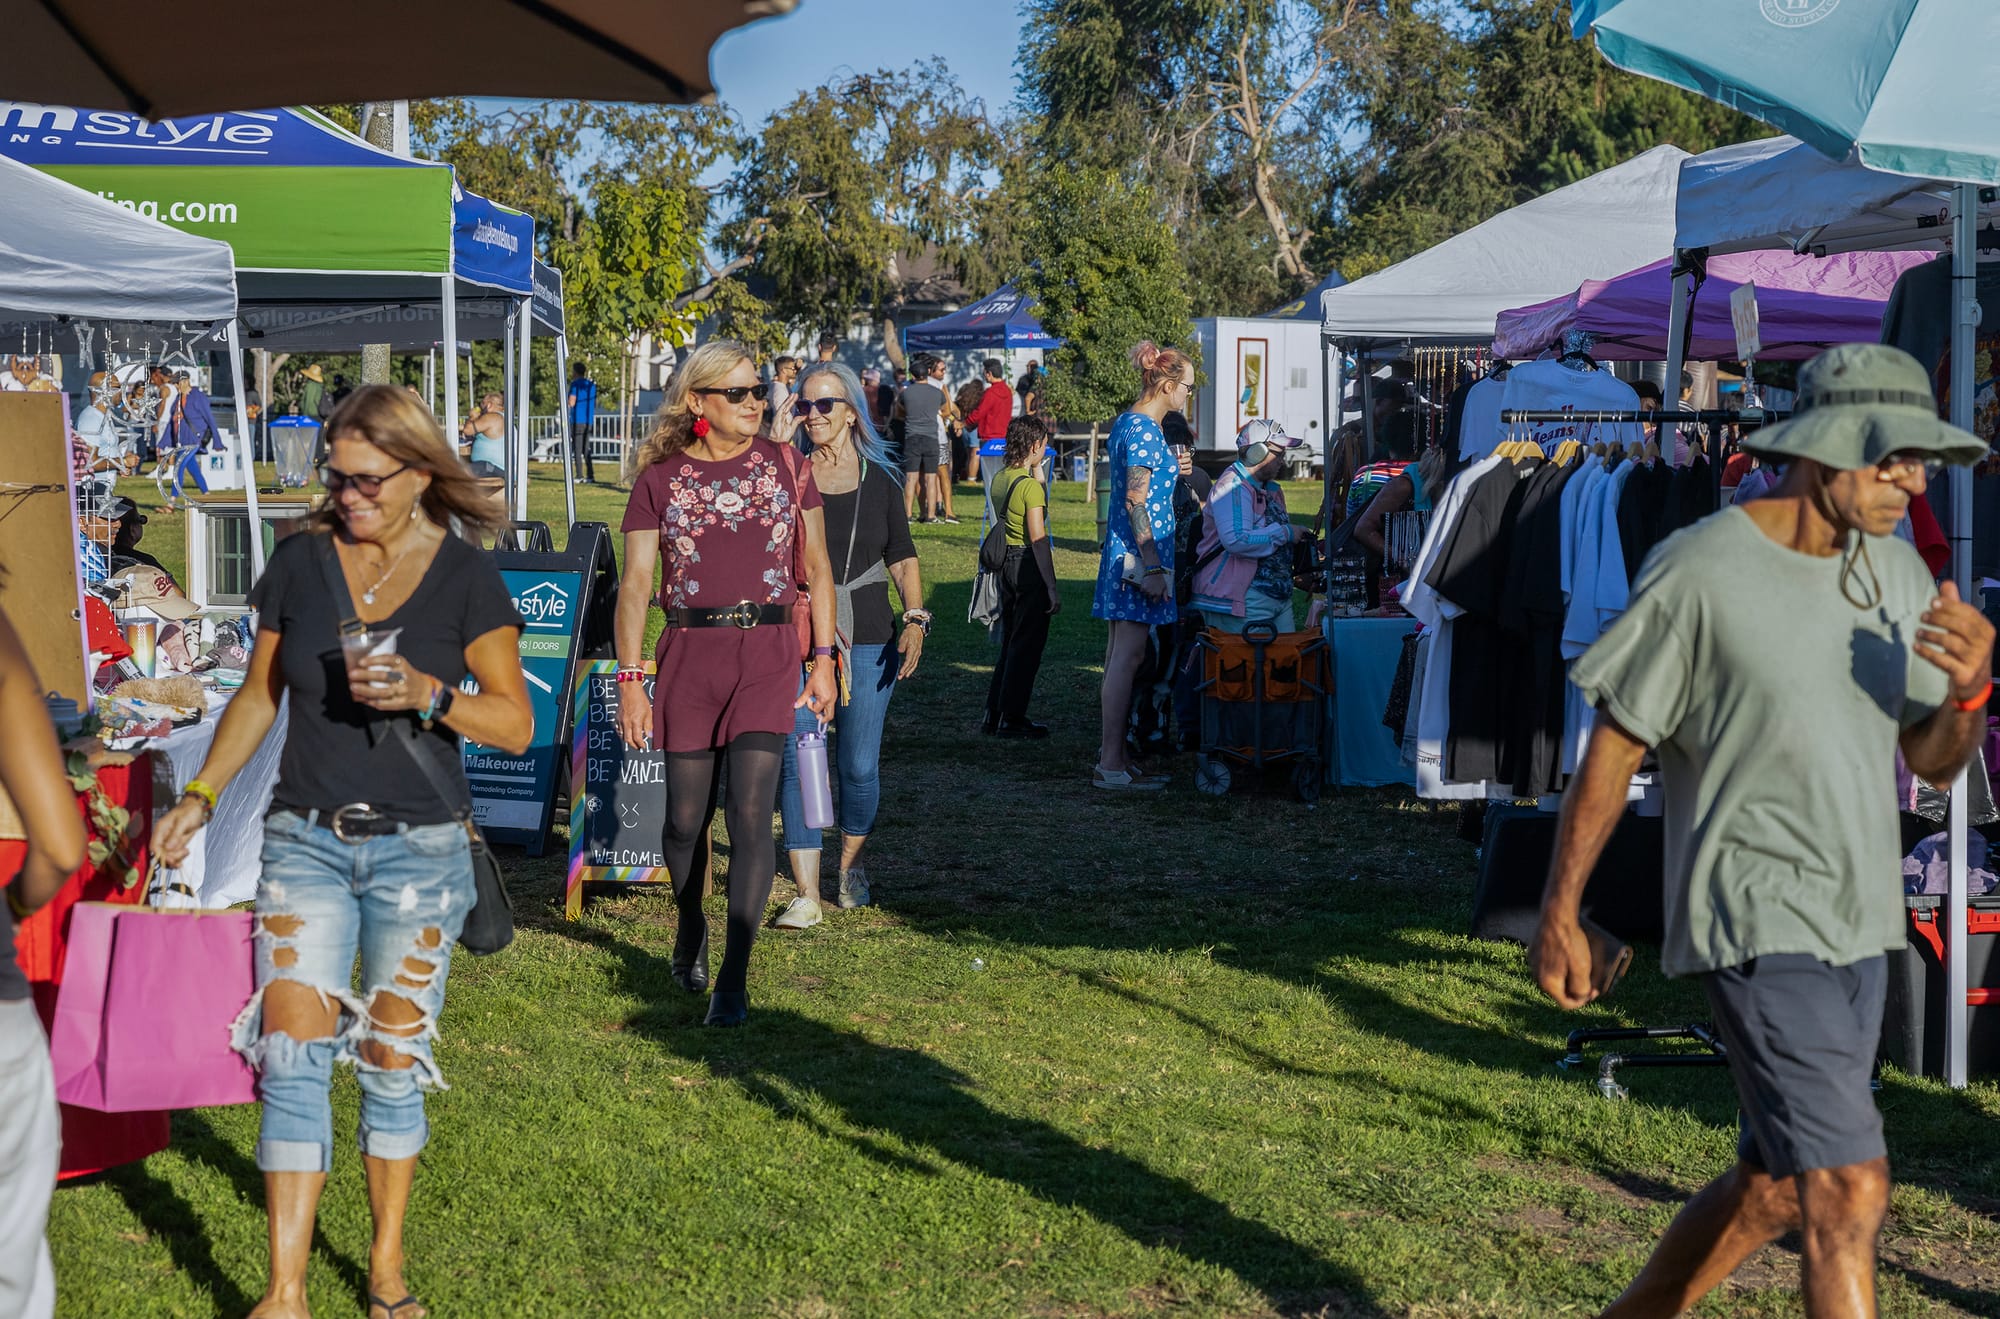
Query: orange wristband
x=1985 y=694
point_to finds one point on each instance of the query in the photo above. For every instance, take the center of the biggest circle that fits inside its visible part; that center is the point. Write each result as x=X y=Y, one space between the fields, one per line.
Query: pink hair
x=1158 y=365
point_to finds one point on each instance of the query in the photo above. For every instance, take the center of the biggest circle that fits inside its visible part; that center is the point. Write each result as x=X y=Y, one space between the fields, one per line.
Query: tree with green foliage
x=1459 y=113
x=1210 y=103
x=619 y=208
x=618 y=205
x=1104 y=273
x=866 y=195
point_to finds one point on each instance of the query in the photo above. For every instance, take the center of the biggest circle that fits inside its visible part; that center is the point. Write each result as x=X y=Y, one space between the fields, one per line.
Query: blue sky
x=760 y=68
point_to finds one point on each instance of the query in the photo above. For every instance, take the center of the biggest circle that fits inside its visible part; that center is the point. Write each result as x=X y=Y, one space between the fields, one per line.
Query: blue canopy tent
x=1004 y=318
x=1305 y=307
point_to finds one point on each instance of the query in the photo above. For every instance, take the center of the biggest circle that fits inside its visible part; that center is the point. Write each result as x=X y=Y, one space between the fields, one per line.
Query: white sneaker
x=799 y=914
x=1124 y=780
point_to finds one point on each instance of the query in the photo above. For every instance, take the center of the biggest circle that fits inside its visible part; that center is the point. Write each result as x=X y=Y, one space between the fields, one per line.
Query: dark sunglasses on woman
x=369 y=486
x=737 y=393
x=805 y=407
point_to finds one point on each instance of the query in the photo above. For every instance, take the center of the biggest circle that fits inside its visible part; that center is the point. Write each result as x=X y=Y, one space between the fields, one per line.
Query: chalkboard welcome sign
x=618 y=797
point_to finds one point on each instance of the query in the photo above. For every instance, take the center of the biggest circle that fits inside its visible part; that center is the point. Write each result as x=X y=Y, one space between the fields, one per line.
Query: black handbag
x=489 y=926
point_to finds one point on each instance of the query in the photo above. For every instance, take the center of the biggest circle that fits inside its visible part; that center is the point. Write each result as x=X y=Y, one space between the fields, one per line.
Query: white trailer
x=1260 y=367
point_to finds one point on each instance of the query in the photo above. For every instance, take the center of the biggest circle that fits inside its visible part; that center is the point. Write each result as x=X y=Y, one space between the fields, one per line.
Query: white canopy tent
x=1612 y=222
x=1779 y=192
x=66 y=254
x=70 y=257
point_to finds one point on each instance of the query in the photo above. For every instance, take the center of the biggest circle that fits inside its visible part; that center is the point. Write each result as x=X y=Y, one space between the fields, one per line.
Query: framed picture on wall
x=1252 y=391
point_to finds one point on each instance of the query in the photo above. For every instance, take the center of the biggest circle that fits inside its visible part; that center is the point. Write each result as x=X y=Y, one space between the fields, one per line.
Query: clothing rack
x=1710 y=1052
x=1711 y=419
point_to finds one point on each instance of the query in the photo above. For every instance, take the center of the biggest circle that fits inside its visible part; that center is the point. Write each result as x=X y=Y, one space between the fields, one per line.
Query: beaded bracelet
x=631 y=675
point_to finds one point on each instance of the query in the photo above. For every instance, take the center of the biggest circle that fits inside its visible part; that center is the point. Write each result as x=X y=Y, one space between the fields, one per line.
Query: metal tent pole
x=449 y=353
x=234 y=338
x=1334 y=385
x=566 y=429
x=1333 y=388
x=1678 y=314
x=521 y=386
x=270 y=408
x=1964 y=328
x=512 y=409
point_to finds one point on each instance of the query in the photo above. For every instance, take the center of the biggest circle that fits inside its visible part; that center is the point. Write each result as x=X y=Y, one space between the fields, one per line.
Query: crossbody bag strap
x=455 y=795
x=853 y=525
x=1007 y=500
x=336 y=587
x=453 y=792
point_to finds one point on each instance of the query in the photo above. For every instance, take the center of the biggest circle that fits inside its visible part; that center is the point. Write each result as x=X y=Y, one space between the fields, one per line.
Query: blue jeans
x=400 y=902
x=857 y=750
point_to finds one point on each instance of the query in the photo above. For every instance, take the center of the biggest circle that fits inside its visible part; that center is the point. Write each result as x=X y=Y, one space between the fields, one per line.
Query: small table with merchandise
x=1366 y=753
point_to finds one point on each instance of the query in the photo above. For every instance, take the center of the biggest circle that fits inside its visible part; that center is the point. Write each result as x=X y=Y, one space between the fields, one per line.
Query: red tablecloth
x=92 y=1141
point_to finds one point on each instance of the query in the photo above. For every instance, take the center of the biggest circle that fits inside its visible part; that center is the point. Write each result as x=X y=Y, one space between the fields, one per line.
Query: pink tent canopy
x=1804 y=304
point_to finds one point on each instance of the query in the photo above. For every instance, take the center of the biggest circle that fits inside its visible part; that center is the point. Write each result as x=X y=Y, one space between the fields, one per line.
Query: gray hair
x=866 y=441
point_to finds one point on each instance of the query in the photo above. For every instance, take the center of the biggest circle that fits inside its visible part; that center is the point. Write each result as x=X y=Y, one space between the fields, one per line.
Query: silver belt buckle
x=357 y=812
x=744 y=615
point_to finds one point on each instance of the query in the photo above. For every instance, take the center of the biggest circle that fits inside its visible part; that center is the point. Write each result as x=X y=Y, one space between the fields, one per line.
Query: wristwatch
x=921 y=617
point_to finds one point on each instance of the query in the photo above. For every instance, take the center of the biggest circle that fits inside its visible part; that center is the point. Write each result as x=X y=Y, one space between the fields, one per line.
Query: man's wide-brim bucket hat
x=1859 y=403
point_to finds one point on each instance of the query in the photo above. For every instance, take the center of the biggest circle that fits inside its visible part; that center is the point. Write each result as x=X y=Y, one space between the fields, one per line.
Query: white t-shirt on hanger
x=1548 y=385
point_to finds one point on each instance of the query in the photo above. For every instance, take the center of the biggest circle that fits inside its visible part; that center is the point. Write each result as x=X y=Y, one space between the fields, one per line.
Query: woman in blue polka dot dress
x=1140 y=524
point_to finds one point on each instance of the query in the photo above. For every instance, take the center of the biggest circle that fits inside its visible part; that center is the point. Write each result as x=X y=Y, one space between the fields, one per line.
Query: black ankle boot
x=691 y=970
x=727 y=1009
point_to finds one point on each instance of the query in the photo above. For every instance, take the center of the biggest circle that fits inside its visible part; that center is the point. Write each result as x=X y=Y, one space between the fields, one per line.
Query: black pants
x=580 y=461
x=1024 y=632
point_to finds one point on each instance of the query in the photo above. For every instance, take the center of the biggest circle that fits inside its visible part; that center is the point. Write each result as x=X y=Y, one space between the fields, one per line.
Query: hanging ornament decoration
x=178 y=352
x=104 y=394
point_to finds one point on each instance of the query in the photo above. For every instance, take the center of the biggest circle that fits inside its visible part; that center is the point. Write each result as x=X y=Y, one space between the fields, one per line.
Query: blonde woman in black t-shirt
x=361 y=853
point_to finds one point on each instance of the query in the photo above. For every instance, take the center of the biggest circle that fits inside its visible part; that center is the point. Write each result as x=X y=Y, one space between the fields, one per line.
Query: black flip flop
x=374 y=1300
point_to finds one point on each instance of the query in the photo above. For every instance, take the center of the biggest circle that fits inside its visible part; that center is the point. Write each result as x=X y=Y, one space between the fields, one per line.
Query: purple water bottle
x=815 y=787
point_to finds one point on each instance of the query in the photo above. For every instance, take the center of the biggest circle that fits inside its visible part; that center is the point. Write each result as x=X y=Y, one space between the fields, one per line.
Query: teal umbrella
x=1904 y=84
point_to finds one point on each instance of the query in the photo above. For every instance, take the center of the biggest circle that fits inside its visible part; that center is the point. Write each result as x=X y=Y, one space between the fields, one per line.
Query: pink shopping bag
x=142 y=1019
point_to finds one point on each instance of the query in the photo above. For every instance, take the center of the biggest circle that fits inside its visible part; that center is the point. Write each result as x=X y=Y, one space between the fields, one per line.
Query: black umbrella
x=203 y=55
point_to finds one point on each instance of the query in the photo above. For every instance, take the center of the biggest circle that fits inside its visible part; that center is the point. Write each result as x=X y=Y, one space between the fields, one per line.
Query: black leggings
x=752 y=795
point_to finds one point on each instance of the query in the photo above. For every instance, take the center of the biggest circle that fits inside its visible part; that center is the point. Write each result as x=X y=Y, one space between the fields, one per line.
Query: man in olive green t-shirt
x=1777 y=655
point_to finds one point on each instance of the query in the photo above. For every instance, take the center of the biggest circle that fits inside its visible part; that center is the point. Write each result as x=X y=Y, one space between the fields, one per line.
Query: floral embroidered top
x=726 y=528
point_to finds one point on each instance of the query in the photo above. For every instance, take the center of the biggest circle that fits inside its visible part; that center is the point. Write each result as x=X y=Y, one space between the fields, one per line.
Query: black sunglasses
x=737 y=393
x=805 y=407
x=369 y=486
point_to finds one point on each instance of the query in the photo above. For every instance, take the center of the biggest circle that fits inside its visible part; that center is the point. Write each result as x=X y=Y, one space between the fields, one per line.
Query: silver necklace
x=368 y=596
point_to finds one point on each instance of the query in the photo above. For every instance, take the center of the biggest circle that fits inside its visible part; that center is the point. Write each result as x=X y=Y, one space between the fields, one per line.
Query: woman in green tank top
x=1028 y=597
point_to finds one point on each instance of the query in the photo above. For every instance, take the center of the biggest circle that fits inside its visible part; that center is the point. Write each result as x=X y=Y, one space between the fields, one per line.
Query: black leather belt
x=745 y=616
x=357 y=821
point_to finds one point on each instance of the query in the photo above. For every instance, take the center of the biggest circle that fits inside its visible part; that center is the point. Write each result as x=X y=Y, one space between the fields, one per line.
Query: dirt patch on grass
x=1945 y=1251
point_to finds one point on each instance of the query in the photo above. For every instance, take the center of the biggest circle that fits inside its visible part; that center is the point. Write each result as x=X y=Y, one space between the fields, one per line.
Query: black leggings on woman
x=754 y=761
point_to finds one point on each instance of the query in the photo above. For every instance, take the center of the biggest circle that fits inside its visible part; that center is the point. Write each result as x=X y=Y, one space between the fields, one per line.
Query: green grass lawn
x=1089 y=1055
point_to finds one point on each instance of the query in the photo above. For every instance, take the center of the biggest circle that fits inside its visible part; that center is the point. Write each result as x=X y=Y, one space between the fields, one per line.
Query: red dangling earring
x=700 y=427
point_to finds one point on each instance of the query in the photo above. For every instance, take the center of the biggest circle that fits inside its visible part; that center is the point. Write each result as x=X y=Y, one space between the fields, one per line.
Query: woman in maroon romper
x=720 y=513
